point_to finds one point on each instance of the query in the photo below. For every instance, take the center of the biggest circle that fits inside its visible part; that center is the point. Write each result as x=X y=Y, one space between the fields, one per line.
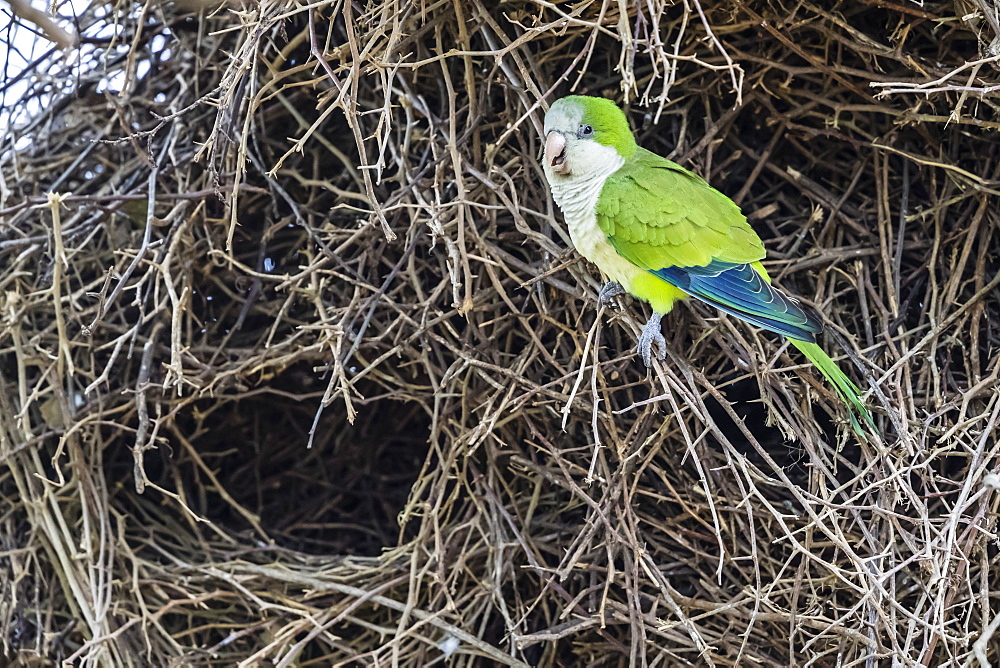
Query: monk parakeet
x=660 y=233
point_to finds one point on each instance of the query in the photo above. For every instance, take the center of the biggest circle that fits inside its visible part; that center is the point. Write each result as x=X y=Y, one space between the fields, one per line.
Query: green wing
x=657 y=214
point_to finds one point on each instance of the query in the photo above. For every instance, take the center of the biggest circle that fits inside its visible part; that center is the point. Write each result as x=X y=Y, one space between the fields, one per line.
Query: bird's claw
x=610 y=290
x=650 y=336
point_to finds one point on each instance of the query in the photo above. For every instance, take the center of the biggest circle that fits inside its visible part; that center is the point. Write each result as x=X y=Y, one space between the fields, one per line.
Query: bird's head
x=583 y=135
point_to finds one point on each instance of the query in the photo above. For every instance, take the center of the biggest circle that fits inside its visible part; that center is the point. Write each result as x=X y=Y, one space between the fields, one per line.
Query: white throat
x=576 y=194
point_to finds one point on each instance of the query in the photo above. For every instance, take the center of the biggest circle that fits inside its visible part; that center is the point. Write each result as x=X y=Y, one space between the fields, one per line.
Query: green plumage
x=657 y=214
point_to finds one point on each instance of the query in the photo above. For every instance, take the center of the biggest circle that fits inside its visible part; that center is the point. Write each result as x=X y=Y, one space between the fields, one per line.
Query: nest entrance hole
x=341 y=496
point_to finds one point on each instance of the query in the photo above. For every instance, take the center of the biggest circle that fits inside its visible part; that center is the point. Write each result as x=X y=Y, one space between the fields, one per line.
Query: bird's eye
x=585 y=131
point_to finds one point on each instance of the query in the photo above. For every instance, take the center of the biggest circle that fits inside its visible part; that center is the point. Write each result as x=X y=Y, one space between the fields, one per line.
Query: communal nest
x=297 y=368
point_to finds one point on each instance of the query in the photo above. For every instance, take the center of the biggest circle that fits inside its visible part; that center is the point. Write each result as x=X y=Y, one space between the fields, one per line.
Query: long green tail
x=847 y=390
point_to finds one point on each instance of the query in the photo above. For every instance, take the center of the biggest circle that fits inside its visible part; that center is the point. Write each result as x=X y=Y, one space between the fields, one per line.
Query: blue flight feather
x=739 y=290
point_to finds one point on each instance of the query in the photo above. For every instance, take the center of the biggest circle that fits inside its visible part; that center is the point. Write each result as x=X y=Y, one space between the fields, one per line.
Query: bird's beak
x=555 y=152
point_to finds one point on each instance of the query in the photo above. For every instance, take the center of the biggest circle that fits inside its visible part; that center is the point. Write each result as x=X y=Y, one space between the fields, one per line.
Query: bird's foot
x=610 y=290
x=651 y=335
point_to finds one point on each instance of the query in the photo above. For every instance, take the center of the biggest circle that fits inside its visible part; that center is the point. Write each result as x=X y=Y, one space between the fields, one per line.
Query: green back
x=657 y=214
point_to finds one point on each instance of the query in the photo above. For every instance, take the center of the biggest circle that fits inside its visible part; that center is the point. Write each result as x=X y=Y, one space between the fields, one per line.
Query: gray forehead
x=563 y=116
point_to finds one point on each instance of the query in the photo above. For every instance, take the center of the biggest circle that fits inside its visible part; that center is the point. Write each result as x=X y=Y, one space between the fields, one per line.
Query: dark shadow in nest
x=790 y=455
x=342 y=496
x=746 y=398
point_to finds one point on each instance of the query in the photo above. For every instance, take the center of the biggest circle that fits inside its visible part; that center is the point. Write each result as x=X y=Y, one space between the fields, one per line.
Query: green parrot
x=660 y=233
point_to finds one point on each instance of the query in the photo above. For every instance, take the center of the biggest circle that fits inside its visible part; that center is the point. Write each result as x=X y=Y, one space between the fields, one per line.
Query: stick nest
x=297 y=368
